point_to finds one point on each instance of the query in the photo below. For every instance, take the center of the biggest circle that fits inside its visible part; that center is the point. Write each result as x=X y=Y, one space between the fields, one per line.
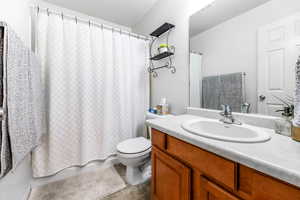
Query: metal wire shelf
x=165 y=28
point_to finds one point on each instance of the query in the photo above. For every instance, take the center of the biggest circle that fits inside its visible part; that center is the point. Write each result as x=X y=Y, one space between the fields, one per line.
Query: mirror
x=243 y=54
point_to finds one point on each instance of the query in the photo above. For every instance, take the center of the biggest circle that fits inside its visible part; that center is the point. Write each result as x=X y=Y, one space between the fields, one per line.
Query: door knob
x=262 y=97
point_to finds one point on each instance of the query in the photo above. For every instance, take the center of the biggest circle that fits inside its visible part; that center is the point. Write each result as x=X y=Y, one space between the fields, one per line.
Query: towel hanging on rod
x=23 y=121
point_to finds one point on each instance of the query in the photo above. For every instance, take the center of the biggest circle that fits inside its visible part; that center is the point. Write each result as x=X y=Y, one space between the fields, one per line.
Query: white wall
x=172 y=86
x=232 y=46
x=16 y=13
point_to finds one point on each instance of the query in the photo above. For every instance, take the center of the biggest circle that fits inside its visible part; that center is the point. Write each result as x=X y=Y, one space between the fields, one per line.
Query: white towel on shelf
x=23 y=104
x=296 y=121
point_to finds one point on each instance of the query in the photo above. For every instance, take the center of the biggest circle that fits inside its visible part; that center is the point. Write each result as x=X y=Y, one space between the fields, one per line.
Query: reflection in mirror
x=243 y=54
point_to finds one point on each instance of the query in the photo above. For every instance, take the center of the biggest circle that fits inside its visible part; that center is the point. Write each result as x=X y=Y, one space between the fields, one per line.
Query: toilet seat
x=134 y=147
x=134 y=155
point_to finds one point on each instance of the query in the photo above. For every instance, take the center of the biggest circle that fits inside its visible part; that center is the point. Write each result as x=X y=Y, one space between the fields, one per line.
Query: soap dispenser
x=284 y=124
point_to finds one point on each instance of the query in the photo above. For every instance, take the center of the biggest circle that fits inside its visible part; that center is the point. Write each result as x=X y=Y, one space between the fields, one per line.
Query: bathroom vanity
x=187 y=166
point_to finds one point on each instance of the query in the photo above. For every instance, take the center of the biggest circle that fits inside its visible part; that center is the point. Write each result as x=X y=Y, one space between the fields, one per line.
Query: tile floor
x=139 y=192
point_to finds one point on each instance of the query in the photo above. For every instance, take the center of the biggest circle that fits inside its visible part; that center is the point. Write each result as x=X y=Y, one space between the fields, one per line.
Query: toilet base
x=134 y=176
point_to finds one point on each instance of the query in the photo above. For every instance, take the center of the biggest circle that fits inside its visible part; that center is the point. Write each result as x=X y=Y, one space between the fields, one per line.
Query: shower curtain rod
x=90 y=22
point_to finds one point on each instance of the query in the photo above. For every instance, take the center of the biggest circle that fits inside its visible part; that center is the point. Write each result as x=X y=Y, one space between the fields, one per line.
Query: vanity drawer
x=213 y=166
x=211 y=191
x=158 y=139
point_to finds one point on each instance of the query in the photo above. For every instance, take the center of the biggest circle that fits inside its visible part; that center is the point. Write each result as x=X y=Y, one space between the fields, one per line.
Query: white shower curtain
x=96 y=86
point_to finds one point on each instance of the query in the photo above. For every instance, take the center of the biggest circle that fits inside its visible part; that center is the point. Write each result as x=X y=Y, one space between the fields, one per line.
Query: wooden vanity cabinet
x=181 y=171
x=172 y=178
x=211 y=191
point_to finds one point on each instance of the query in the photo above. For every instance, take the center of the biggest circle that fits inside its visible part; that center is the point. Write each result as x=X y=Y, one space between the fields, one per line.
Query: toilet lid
x=134 y=145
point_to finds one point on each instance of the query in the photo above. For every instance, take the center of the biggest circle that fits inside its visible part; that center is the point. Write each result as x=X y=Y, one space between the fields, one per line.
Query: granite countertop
x=278 y=157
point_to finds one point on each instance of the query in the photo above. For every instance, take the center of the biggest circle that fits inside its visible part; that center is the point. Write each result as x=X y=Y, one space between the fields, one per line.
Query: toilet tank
x=150 y=115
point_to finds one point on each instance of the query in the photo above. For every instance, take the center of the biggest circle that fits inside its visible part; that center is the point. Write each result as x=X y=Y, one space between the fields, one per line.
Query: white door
x=278 y=49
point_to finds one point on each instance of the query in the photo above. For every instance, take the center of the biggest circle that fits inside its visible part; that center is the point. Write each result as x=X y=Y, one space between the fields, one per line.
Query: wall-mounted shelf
x=169 y=54
x=162 y=56
x=162 y=29
x=155 y=74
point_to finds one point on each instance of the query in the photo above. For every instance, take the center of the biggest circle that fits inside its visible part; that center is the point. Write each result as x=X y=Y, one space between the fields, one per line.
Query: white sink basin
x=226 y=132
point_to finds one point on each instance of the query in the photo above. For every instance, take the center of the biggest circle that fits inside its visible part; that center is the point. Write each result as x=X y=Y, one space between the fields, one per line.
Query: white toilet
x=134 y=154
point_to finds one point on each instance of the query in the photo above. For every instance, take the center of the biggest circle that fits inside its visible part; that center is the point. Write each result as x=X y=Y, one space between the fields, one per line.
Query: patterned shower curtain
x=96 y=86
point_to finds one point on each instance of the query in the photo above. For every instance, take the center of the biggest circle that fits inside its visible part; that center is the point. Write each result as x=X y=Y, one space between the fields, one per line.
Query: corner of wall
x=172 y=86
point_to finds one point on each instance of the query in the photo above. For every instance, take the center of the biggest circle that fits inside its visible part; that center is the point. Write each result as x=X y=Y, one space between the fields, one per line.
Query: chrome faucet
x=227 y=115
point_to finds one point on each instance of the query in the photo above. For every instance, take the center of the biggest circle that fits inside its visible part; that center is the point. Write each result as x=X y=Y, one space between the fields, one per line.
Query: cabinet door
x=171 y=180
x=210 y=191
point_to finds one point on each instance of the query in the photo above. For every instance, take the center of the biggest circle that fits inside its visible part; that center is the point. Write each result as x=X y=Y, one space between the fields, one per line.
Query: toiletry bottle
x=245 y=108
x=295 y=132
x=165 y=106
x=159 y=109
x=284 y=124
